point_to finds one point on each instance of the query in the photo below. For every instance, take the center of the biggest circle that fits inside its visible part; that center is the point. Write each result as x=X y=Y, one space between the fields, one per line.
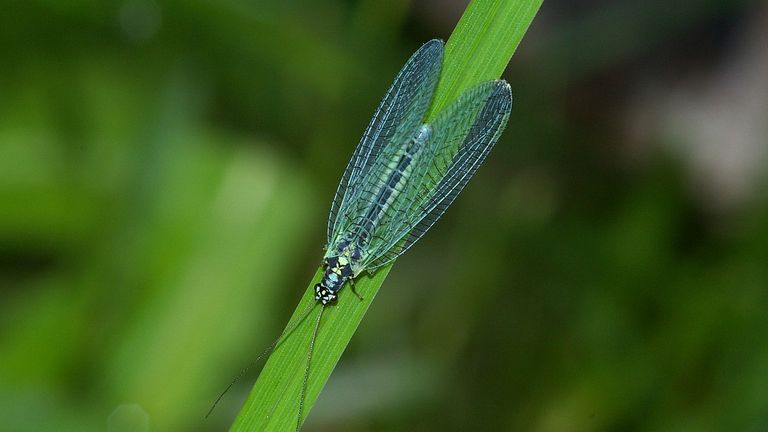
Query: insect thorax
x=338 y=265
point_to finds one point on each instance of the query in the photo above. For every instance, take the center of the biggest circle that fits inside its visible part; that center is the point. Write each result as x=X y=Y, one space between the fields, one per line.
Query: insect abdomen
x=393 y=180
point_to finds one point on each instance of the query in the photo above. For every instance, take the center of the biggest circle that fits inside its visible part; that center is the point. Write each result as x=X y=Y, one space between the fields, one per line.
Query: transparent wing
x=463 y=135
x=399 y=114
x=387 y=192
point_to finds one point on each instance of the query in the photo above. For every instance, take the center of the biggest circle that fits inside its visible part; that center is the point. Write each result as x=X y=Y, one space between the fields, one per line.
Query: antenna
x=287 y=331
x=304 y=383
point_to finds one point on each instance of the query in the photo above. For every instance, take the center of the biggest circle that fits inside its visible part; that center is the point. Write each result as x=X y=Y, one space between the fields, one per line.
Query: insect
x=403 y=175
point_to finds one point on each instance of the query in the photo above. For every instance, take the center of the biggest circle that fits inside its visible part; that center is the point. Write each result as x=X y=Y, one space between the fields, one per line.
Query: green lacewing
x=402 y=176
x=405 y=173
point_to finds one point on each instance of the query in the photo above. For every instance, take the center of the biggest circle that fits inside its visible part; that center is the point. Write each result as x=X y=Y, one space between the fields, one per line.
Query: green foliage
x=165 y=175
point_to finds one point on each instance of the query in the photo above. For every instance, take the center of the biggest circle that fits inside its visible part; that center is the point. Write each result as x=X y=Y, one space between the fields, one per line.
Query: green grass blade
x=481 y=45
x=478 y=50
x=274 y=400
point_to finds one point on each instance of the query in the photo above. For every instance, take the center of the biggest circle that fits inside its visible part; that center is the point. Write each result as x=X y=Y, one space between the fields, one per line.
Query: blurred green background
x=166 y=170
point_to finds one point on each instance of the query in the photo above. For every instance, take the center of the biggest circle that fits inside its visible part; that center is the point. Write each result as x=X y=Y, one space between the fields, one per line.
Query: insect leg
x=354 y=290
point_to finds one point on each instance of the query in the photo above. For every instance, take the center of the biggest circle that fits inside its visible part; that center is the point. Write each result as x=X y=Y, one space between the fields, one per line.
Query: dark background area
x=166 y=170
